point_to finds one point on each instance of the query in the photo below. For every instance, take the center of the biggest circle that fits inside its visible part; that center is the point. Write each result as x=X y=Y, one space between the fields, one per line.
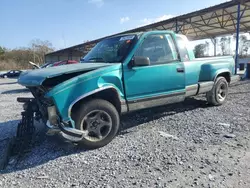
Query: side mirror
x=141 y=61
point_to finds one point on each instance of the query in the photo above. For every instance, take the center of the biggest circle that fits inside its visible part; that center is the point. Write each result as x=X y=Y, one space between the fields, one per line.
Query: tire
x=86 y=119
x=218 y=95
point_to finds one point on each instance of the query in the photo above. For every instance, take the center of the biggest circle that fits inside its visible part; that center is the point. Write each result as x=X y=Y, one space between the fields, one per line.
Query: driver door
x=161 y=82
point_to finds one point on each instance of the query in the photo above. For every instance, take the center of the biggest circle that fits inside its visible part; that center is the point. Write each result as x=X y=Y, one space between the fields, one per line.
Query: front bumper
x=55 y=122
x=68 y=132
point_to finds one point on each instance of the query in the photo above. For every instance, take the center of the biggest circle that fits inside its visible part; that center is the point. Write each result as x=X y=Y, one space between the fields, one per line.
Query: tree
x=229 y=45
x=199 y=50
x=207 y=47
x=242 y=41
x=225 y=45
x=243 y=44
x=39 y=49
x=18 y=58
x=245 y=47
x=2 y=52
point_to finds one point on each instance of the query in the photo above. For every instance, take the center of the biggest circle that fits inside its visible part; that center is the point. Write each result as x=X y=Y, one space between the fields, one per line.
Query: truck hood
x=38 y=76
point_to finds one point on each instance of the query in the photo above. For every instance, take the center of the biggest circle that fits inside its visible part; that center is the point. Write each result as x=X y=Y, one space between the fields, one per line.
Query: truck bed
x=206 y=69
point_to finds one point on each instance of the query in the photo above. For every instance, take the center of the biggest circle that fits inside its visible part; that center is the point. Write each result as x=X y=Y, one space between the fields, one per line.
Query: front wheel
x=218 y=95
x=99 y=120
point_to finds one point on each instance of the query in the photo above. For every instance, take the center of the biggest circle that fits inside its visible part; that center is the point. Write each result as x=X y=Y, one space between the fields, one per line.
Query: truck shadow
x=240 y=83
x=143 y=116
x=49 y=148
x=16 y=91
x=238 y=93
x=8 y=83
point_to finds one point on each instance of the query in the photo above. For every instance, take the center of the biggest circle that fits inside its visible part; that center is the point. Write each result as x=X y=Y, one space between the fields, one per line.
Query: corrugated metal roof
x=206 y=23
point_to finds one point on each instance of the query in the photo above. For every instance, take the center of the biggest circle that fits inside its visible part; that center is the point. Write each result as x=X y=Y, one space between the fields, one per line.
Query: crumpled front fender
x=67 y=94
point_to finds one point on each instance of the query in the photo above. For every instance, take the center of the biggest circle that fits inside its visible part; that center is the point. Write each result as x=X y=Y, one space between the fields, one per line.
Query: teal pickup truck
x=121 y=74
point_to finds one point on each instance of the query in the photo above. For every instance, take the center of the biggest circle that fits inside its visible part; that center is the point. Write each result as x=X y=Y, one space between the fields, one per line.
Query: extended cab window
x=158 y=48
x=182 y=45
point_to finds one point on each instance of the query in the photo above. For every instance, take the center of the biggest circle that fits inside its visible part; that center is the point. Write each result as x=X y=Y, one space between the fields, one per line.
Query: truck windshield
x=111 y=50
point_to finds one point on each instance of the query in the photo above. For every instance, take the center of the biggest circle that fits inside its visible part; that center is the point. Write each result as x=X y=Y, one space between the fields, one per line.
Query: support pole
x=237 y=38
x=248 y=70
x=215 y=46
x=176 y=26
x=214 y=41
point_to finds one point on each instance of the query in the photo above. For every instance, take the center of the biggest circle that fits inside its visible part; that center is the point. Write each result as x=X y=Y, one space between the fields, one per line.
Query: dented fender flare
x=91 y=93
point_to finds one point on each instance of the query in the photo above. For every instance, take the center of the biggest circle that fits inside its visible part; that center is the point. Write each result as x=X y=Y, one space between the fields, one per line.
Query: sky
x=69 y=22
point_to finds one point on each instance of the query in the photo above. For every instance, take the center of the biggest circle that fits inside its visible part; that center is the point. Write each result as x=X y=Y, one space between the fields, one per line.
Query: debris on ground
x=166 y=135
x=229 y=135
x=226 y=125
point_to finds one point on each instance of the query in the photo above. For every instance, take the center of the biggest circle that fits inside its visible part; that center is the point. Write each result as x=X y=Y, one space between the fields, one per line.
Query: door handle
x=180 y=69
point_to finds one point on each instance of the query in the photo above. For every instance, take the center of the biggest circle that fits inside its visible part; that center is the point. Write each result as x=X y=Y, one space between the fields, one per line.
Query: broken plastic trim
x=21 y=144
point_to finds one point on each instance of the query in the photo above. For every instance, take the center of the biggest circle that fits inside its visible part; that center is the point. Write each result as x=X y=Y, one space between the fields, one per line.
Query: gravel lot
x=209 y=147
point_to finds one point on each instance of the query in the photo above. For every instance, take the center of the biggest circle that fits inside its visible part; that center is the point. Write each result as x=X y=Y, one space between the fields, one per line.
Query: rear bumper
x=205 y=86
x=235 y=79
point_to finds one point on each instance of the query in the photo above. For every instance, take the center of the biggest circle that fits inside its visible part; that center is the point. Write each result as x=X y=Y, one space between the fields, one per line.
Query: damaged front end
x=44 y=109
x=40 y=82
x=56 y=89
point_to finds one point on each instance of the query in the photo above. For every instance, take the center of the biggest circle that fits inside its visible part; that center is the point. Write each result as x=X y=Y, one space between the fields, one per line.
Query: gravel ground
x=183 y=145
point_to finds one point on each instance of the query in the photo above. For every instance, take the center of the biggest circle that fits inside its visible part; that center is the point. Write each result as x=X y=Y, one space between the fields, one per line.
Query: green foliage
x=199 y=50
x=244 y=45
x=2 y=50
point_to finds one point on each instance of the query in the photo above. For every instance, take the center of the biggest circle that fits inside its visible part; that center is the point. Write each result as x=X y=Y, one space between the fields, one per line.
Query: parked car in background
x=65 y=62
x=11 y=74
x=35 y=66
x=46 y=65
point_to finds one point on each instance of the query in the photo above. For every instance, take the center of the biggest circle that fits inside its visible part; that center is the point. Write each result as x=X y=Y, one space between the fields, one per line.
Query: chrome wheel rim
x=222 y=92
x=97 y=125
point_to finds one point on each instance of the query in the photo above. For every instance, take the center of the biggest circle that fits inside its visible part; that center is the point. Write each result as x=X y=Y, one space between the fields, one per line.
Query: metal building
x=224 y=19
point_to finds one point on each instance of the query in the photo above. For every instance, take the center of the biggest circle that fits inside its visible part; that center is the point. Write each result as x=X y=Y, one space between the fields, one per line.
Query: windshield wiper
x=100 y=59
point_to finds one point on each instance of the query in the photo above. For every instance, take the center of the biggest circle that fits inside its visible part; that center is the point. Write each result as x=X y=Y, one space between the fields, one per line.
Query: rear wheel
x=218 y=95
x=99 y=120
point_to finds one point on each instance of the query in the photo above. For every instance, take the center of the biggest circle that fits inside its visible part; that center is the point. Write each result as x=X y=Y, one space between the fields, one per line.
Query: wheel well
x=109 y=95
x=226 y=75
